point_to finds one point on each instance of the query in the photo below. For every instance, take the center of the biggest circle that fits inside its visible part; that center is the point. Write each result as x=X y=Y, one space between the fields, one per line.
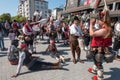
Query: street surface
x=70 y=72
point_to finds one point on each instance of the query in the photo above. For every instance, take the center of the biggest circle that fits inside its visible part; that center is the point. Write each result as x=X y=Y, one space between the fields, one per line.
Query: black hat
x=15 y=42
x=76 y=18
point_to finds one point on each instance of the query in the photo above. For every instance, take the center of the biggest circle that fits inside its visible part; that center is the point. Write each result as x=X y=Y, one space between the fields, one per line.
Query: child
x=53 y=52
x=11 y=35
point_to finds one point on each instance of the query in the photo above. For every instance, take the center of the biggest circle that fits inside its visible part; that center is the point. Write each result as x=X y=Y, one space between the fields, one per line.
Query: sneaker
x=92 y=71
x=95 y=77
x=86 y=48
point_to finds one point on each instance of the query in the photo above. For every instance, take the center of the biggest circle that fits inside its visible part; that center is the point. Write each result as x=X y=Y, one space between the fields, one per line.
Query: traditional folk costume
x=75 y=33
x=100 y=48
x=28 y=35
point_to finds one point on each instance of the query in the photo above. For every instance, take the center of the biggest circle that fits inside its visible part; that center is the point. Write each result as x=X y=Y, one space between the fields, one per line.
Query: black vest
x=27 y=59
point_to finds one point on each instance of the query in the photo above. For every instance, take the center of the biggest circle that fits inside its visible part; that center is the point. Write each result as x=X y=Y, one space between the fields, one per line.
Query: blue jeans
x=2 y=43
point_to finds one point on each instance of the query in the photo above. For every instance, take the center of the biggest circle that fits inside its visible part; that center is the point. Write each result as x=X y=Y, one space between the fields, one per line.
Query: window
x=45 y=11
x=41 y=7
x=118 y=6
x=41 y=3
x=36 y=2
x=72 y=3
x=81 y=2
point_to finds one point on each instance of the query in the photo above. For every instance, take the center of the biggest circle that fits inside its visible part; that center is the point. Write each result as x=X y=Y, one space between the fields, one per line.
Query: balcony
x=86 y=7
x=115 y=13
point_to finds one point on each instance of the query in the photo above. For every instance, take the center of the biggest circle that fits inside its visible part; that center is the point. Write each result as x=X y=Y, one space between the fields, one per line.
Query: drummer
x=29 y=33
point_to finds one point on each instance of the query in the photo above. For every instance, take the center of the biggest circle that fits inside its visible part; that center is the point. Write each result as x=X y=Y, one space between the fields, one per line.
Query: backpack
x=117 y=30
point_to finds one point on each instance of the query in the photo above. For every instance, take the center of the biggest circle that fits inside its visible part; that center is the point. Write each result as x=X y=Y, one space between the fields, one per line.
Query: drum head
x=36 y=28
x=43 y=21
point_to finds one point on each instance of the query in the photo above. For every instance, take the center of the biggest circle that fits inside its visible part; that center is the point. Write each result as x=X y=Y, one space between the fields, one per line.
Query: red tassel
x=90 y=70
x=95 y=77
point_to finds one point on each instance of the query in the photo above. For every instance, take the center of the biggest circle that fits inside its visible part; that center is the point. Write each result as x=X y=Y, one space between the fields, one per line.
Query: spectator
x=75 y=33
x=7 y=27
x=11 y=35
x=15 y=27
x=1 y=39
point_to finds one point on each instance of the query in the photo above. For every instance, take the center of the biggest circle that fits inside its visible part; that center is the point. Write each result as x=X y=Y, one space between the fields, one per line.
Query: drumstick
x=105 y=5
x=105 y=2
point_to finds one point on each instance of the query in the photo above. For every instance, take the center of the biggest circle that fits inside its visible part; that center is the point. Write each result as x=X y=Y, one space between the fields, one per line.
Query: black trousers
x=116 y=44
x=38 y=65
x=98 y=64
x=86 y=40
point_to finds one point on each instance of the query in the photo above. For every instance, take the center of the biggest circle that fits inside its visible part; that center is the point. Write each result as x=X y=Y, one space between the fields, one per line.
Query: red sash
x=28 y=29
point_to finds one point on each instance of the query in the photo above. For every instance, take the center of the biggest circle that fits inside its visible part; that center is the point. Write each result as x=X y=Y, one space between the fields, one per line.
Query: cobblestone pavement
x=71 y=72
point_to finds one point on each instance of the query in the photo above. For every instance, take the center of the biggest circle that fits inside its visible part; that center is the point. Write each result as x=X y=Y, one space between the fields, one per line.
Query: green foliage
x=65 y=20
x=18 y=18
x=72 y=18
x=5 y=16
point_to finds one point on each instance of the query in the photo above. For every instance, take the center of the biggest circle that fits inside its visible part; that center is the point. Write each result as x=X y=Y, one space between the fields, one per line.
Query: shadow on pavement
x=63 y=51
x=43 y=53
x=88 y=60
x=42 y=70
x=115 y=74
x=63 y=45
x=2 y=54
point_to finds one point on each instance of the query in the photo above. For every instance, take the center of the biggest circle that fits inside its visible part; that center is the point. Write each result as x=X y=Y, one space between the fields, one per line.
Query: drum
x=43 y=21
x=36 y=28
x=27 y=38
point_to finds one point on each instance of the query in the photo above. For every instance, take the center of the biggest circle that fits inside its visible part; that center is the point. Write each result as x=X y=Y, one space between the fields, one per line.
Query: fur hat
x=76 y=18
x=15 y=42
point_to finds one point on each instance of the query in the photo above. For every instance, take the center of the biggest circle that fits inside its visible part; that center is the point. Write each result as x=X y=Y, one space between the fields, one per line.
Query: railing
x=115 y=12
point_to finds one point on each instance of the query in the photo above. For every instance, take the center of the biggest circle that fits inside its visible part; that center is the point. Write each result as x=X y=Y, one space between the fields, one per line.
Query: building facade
x=28 y=7
x=81 y=6
x=55 y=11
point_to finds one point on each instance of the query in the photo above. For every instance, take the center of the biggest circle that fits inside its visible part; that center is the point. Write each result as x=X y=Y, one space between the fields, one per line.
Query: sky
x=10 y=6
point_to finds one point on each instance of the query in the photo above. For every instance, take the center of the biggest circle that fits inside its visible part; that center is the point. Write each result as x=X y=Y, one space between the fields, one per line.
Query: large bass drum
x=36 y=28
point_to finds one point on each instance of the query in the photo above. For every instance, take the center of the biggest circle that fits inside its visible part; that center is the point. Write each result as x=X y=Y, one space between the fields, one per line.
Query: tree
x=18 y=18
x=5 y=16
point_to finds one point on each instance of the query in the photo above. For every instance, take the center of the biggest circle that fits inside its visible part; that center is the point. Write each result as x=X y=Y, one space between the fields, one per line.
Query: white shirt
x=21 y=59
x=74 y=29
x=11 y=36
x=25 y=31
